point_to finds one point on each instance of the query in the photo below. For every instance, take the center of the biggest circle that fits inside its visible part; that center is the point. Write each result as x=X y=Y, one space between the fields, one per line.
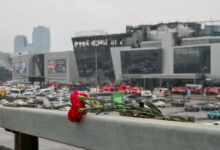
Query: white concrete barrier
x=111 y=132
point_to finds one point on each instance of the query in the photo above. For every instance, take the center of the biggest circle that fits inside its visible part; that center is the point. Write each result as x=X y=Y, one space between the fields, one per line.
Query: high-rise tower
x=41 y=38
x=20 y=42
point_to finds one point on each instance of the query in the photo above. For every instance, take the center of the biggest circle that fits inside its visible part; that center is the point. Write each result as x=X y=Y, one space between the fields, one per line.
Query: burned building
x=93 y=56
x=143 y=50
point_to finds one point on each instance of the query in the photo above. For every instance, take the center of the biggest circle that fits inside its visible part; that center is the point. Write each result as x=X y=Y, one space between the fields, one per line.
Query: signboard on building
x=117 y=98
x=56 y=66
x=20 y=68
x=106 y=99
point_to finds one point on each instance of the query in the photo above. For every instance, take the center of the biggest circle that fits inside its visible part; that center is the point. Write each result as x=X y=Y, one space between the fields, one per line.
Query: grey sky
x=64 y=17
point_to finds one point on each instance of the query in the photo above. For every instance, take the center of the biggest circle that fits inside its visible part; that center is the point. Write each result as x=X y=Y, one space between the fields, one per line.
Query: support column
x=25 y=142
x=160 y=82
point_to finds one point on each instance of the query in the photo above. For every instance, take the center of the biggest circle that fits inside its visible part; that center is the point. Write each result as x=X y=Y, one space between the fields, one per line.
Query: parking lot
x=199 y=100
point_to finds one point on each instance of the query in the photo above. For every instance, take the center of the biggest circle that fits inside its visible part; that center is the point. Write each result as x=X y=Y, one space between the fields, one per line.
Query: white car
x=20 y=102
x=218 y=96
x=15 y=92
x=44 y=92
x=3 y=101
x=160 y=104
x=146 y=93
x=29 y=93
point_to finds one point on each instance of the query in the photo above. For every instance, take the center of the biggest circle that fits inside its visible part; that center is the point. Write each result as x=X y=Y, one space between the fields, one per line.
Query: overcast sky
x=64 y=17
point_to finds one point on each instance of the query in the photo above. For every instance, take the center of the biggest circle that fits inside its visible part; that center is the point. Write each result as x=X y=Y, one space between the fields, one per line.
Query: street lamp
x=96 y=63
x=203 y=75
x=20 y=64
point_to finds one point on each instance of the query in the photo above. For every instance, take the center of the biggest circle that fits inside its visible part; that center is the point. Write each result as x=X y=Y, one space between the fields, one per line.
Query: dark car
x=208 y=107
x=129 y=98
x=192 y=108
x=178 y=103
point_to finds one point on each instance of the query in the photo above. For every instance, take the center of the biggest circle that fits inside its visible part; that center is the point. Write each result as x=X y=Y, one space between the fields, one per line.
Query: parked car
x=20 y=102
x=160 y=104
x=192 y=108
x=108 y=88
x=44 y=92
x=195 y=88
x=129 y=98
x=162 y=91
x=218 y=96
x=124 y=88
x=213 y=115
x=15 y=92
x=146 y=93
x=179 y=90
x=29 y=93
x=211 y=90
x=178 y=103
x=4 y=101
x=217 y=106
x=208 y=107
x=52 y=97
x=136 y=90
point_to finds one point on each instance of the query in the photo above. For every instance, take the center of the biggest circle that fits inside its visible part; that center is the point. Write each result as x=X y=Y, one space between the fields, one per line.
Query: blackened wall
x=86 y=62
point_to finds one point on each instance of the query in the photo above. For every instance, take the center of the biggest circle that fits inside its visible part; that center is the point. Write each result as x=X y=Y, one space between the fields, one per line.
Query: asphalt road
x=7 y=140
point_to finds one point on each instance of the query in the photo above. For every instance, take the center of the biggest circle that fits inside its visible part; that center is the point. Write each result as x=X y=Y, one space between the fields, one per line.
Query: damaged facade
x=149 y=54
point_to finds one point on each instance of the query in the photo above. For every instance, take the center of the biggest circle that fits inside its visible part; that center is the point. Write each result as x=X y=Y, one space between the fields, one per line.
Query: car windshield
x=15 y=92
x=29 y=90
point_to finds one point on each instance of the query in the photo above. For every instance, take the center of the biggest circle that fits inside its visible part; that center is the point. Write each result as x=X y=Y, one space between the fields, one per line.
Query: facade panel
x=141 y=61
x=90 y=57
x=192 y=59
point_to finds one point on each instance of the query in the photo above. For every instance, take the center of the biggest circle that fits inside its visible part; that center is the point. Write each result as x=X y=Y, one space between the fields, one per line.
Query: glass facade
x=141 y=61
x=192 y=59
x=39 y=63
x=86 y=61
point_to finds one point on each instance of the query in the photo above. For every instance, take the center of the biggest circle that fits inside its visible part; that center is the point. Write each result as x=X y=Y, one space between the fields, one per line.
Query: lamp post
x=202 y=76
x=19 y=60
x=96 y=62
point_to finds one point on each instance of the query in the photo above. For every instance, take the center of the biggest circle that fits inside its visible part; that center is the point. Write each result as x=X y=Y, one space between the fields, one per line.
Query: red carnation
x=73 y=114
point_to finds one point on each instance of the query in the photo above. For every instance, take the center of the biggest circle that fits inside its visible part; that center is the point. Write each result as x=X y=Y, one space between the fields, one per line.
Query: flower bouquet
x=79 y=108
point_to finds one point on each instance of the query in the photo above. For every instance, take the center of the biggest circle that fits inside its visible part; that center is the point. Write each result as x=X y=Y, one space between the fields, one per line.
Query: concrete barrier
x=110 y=132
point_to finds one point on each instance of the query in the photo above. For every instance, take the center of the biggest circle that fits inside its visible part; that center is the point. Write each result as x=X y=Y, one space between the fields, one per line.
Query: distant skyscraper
x=20 y=42
x=40 y=41
x=41 y=38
